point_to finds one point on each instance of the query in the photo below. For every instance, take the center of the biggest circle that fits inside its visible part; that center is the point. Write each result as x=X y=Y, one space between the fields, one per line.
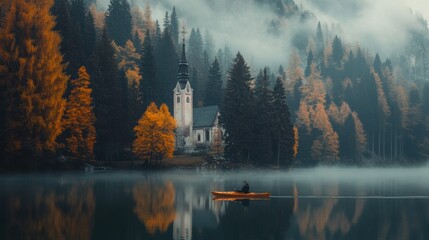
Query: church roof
x=205 y=116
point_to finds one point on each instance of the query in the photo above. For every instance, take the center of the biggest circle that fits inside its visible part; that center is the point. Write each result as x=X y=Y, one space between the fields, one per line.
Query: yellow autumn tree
x=154 y=134
x=167 y=127
x=79 y=118
x=32 y=72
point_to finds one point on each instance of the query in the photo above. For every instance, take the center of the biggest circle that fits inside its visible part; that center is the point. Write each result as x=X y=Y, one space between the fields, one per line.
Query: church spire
x=183 y=75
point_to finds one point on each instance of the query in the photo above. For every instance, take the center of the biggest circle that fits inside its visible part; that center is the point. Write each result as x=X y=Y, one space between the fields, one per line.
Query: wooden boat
x=239 y=195
x=239 y=199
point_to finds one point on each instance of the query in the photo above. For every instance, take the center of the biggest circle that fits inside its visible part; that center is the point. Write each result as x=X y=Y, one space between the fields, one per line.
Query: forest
x=76 y=79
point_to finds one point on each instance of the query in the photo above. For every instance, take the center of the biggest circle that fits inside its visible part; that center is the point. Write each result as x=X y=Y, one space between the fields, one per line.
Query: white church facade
x=196 y=127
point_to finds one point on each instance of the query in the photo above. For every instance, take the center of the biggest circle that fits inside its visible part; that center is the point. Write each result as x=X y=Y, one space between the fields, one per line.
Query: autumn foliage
x=154 y=134
x=32 y=71
x=79 y=118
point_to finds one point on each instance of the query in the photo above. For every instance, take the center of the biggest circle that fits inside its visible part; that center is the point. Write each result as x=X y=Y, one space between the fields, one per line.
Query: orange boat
x=239 y=195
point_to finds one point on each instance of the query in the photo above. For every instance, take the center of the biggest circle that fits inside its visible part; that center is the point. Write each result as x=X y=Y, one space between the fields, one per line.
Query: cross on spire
x=183 y=34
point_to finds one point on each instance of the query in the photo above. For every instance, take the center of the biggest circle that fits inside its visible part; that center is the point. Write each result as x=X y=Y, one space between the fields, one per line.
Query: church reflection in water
x=195 y=209
x=163 y=208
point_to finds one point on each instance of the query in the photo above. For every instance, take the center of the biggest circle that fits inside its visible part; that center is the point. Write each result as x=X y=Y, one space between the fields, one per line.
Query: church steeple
x=183 y=75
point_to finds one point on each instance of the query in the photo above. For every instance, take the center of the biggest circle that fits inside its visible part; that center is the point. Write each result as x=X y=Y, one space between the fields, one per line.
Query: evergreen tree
x=337 y=51
x=137 y=43
x=174 y=26
x=282 y=128
x=309 y=62
x=118 y=21
x=70 y=44
x=32 y=71
x=320 y=42
x=281 y=73
x=167 y=26
x=148 y=84
x=109 y=124
x=262 y=145
x=214 y=86
x=196 y=59
x=89 y=37
x=209 y=45
x=166 y=59
x=235 y=112
x=79 y=118
x=377 y=65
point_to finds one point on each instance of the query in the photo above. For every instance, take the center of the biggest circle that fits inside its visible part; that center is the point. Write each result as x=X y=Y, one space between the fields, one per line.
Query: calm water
x=321 y=203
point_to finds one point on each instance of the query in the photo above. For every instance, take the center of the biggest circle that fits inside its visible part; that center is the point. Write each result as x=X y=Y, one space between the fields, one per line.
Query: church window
x=199 y=138
x=187 y=99
x=178 y=99
x=207 y=135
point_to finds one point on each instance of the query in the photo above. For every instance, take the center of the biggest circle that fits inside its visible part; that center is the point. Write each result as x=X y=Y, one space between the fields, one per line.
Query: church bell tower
x=183 y=101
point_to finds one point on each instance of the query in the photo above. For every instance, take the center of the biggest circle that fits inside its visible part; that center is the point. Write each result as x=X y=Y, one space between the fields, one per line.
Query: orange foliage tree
x=154 y=134
x=155 y=205
x=79 y=118
x=32 y=72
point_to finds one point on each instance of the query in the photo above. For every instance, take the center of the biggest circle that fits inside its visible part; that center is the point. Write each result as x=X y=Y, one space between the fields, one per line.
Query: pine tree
x=118 y=21
x=282 y=129
x=309 y=62
x=174 y=26
x=71 y=37
x=79 y=118
x=235 y=111
x=89 y=37
x=167 y=26
x=262 y=145
x=337 y=51
x=214 y=85
x=196 y=59
x=320 y=40
x=32 y=71
x=166 y=59
x=281 y=72
x=109 y=124
x=148 y=84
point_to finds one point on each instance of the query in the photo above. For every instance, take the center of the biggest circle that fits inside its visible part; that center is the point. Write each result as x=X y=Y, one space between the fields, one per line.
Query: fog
x=381 y=26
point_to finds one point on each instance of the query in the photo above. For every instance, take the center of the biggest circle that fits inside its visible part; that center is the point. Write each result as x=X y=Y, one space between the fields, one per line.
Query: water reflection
x=154 y=204
x=65 y=212
x=178 y=205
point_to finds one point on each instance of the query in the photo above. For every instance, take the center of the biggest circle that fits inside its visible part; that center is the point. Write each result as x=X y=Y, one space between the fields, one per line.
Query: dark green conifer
x=235 y=112
x=214 y=85
x=118 y=21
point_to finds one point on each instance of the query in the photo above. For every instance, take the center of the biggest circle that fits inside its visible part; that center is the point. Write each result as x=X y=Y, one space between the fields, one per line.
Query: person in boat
x=245 y=188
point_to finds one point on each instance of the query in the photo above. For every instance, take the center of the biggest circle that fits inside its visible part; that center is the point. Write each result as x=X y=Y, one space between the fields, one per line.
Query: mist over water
x=316 y=203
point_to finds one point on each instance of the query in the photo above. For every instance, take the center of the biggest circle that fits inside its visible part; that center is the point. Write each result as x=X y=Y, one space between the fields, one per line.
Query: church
x=196 y=127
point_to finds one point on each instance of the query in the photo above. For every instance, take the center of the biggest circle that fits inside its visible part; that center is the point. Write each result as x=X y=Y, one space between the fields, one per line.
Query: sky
x=378 y=25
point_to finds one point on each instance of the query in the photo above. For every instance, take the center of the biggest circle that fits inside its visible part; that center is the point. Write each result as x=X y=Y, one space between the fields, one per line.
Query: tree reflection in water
x=359 y=218
x=320 y=218
x=46 y=213
x=154 y=205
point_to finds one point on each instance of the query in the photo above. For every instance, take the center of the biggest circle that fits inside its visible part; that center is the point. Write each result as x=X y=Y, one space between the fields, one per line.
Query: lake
x=320 y=203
